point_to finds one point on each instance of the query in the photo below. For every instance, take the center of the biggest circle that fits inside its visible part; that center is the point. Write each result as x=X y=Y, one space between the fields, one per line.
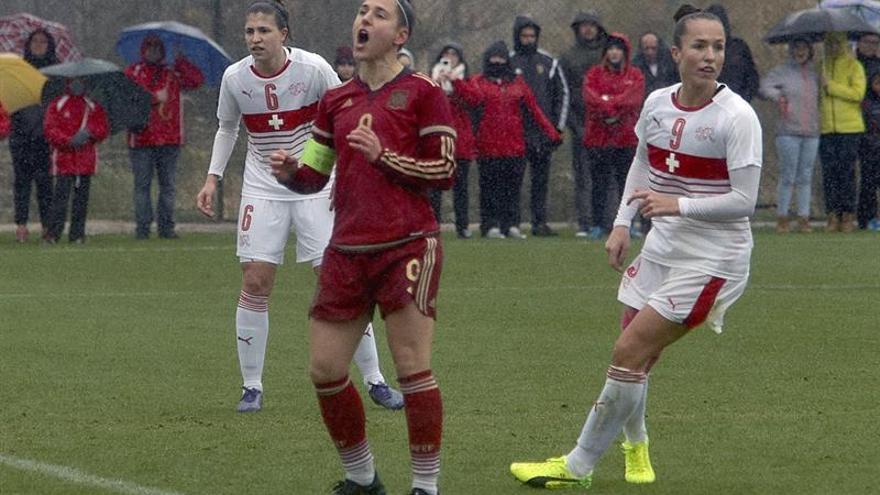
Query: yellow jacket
x=841 y=105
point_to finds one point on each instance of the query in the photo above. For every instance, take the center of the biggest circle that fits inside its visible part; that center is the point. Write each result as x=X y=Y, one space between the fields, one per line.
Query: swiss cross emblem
x=672 y=163
x=276 y=122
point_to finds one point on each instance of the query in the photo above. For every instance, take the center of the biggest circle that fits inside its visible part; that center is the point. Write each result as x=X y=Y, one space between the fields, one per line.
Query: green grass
x=118 y=359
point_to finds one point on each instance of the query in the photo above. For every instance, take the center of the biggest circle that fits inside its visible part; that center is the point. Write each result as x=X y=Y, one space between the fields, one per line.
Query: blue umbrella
x=201 y=50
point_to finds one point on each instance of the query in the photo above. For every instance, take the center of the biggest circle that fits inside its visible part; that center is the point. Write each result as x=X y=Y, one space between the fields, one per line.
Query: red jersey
x=386 y=201
x=5 y=123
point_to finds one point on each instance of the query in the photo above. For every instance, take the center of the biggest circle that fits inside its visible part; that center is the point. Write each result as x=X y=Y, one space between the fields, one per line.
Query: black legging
x=63 y=185
x=30 y=165
x=869 y=183
x=460 y=196
x=606 y=165
x=539 y=172
x=500 y=184
x=838 y=153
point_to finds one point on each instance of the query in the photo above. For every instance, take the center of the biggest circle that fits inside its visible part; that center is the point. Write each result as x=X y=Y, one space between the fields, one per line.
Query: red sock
x=424 y=418
x=343 y=413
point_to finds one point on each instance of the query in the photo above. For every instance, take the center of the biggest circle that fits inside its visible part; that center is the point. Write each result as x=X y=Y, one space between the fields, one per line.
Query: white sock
x=367 y=358
x=358 y=464
x=635 y=429
x=619 y=398
x=252 y=330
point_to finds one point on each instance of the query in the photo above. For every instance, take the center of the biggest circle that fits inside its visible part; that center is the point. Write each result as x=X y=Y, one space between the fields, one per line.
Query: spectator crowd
x=510 y=118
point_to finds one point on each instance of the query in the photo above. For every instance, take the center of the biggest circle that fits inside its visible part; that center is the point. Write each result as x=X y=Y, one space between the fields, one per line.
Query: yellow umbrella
x=21 y=85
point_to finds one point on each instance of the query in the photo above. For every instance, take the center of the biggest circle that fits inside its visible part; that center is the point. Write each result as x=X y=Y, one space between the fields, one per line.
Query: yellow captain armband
x=318 y=157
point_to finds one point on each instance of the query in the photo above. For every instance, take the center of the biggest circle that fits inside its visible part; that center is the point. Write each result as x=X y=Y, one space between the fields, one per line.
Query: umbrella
x=869 y=10
x=15 y=30
x=201 y=50
x=127 y=104
x=814 y=23
x=20 y=83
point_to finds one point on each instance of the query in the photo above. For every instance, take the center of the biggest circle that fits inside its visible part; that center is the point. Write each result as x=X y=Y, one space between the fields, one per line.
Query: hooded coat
x=165 y=126
x=871 y=111
x=796 y=88
x=65 y=116
x=27 y=123
x=545 y=77
x=667 y=71
x=840 y=106
x=501 y=101
x=614 y=99
x=739 y=72
x=465 y=143
x=580 y=58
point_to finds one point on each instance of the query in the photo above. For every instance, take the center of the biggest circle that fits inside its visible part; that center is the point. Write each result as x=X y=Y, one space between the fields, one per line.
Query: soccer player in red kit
x=390 y=133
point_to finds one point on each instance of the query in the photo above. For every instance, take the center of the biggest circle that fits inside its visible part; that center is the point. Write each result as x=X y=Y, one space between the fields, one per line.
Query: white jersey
x=278 y=112
x=691 y=151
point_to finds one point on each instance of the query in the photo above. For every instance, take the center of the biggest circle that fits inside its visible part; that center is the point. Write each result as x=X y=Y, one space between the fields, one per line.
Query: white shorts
x=680 y=295
x=264 y=226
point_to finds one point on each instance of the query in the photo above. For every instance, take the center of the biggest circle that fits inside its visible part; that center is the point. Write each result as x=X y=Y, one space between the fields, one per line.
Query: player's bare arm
x=655 y=204
x=205 y=198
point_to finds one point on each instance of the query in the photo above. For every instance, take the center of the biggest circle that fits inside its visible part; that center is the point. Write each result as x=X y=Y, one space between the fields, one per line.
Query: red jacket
x=500 y=133
x=64 y=118
x=466 y=143
x=5 y=123
x=613 y=94
x=165 y=126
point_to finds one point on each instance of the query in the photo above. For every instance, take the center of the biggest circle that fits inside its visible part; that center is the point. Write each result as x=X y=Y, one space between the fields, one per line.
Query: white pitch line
x=74 y=475
x=98 y=250
x=449 y=292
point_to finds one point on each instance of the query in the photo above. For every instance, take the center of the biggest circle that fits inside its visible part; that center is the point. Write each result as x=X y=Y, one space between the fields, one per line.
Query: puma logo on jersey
x=247 y=340
x=656 y=121
x=249 y=93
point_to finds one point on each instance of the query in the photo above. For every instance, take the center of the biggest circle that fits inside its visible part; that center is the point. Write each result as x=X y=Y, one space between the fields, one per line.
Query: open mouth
x=363 y=36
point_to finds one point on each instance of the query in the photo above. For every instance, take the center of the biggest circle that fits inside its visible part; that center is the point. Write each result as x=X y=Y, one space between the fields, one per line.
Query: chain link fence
x=321 y=26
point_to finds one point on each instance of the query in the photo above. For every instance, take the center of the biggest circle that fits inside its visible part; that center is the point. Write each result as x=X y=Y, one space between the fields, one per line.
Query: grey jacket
x=799 y=85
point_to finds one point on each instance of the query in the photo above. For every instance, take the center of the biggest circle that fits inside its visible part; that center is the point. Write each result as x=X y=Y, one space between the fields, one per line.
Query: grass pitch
x=118 y=366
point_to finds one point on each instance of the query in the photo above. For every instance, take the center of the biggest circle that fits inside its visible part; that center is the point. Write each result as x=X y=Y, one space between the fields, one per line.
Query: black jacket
x=667 y=72
x=580 y=58
x=27 y=123
x=739 y=72
x=545 y=77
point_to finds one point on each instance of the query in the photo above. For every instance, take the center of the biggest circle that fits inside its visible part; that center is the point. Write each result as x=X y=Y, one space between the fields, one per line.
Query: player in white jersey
x=696 y=175
x=275 y=91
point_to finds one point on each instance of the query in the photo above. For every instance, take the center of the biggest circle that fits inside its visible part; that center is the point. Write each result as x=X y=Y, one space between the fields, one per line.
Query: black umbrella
x=812 y=24
x=127 y=104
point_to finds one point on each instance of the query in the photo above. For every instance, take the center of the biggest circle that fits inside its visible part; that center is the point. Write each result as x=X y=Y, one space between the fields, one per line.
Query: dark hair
x=50 y=58
x=407 y=15
x=685 y=14
x=273 y=7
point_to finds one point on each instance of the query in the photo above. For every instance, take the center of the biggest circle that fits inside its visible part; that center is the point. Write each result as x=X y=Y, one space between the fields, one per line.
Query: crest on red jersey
x=398 y=99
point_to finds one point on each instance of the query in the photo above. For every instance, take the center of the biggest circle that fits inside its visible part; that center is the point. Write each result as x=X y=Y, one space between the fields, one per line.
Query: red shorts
x=352 y=284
